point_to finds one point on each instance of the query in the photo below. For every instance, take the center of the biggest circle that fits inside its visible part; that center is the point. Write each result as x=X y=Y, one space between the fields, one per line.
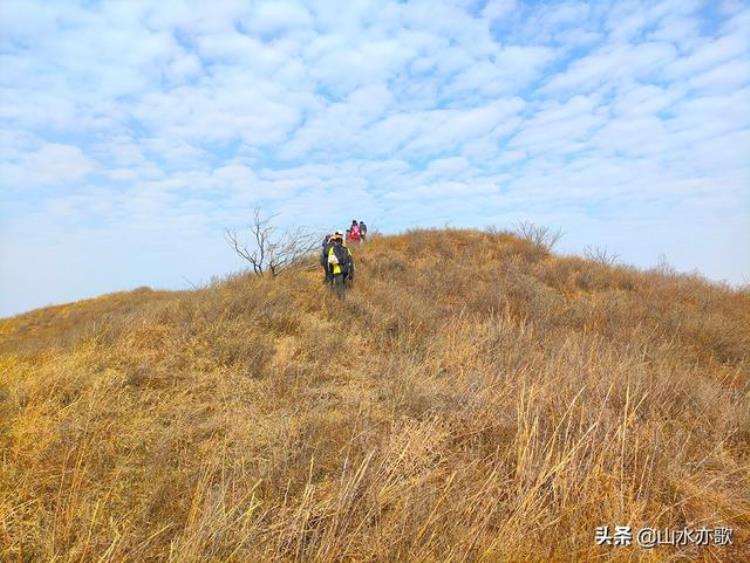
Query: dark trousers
x=340 y=282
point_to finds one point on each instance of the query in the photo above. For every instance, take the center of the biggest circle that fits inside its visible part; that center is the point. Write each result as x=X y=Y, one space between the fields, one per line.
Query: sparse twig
x=539 y=235
x=600 y=255
x=271 y=252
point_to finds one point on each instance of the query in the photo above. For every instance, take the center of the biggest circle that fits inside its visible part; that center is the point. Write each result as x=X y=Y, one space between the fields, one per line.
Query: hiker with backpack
x=340 y=264
x=354 y=233
x=327 y=243
x=363 y=231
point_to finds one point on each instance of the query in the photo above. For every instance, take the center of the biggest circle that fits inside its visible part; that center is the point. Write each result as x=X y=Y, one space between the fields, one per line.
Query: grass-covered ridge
x=474 y=397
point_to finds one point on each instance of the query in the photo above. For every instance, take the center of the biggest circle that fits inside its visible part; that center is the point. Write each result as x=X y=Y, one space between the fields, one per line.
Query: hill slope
x=474 y=397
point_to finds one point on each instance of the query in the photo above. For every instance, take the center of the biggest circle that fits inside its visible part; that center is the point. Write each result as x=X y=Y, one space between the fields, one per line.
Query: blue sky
x=132 y=133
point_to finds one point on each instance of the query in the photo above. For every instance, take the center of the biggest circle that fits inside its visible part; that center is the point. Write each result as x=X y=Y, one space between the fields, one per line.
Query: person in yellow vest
x=327 y=244
x=340 y=264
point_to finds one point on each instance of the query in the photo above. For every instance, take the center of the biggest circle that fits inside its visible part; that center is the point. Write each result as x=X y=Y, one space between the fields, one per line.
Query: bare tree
x=542 y=236
x=269 y=250
x=600 y=255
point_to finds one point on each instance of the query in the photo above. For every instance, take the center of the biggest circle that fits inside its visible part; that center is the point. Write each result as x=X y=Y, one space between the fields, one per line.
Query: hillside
x=474 y=397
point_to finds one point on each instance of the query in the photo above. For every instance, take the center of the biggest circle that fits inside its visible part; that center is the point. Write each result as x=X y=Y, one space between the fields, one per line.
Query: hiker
x=354 y=234
x=340 y=264
x=327 y=243
x=363 y=231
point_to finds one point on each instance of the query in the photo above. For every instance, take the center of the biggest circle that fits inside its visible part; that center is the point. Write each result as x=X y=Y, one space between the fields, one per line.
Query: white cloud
x=708 y=54
x=448 y=129
x=731 y=75
x=235 y=175
x=560 y=127
x=644 y=99
x=498 y=9
x=612 y=64
x=52 y=163
x=276 y=16
x=511 y=70
x=451 y=166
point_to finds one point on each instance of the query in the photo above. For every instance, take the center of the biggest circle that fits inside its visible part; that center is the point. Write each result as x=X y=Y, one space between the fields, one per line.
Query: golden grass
x=473 y=398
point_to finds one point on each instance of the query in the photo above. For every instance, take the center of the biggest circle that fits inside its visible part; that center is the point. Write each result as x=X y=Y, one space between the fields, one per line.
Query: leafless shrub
x=269 y=250
x=600 y=255
x=543 y=236
x=663 y=267
x=496 y=231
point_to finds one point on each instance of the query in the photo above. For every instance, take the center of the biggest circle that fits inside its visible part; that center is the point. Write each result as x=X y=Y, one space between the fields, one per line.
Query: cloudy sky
x=132 y=133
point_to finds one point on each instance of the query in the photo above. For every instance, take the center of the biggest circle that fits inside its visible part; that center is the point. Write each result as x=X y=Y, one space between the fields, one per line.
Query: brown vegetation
x=473 y=398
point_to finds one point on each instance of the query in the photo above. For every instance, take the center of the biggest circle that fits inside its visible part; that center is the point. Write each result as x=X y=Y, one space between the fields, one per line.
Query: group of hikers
x=357 y=232
x=336 y=256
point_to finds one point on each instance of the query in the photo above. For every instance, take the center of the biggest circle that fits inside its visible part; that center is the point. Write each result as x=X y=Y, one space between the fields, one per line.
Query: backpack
x=355 y=232
x=343 y=257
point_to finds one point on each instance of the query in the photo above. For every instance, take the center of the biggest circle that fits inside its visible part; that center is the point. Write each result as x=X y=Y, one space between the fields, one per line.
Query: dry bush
x=271 y=251
x=539 y=235
x=600 y=255
x=474 y=397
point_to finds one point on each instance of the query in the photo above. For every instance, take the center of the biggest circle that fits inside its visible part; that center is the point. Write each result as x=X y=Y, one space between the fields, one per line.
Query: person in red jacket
x=354 y=233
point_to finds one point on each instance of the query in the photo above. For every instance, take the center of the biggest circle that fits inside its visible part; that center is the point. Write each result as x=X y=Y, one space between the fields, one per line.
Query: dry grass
x=474 y=398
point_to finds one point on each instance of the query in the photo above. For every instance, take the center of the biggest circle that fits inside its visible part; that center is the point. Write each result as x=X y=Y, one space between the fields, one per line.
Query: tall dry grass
x=473 y=398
